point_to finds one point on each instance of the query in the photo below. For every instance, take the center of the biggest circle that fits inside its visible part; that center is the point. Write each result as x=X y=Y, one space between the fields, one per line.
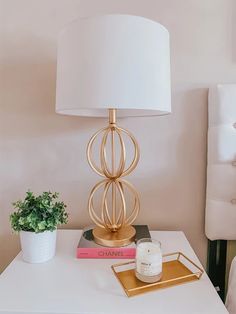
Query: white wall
x=41 y=150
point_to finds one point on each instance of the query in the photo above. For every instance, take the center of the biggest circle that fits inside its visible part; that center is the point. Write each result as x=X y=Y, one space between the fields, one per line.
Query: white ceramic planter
x=38 y=247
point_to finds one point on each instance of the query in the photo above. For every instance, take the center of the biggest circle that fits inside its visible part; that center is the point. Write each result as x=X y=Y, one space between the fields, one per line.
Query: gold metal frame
x=175 y=272
x=113 y=222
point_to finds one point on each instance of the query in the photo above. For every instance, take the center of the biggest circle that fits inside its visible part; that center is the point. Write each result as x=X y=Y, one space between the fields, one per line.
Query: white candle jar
x=148 y=260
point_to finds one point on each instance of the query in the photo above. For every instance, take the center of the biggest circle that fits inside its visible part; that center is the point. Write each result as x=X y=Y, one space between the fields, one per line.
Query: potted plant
x=36 y=219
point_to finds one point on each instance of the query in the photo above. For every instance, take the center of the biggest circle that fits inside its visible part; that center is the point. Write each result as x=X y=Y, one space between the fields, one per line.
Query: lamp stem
x=112 y=116
x=112 y=121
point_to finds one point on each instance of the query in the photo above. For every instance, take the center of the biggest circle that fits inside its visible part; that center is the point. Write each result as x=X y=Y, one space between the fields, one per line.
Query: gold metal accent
x=121 y=237
x=114 y=217
x=175 y=271
x=112 y=116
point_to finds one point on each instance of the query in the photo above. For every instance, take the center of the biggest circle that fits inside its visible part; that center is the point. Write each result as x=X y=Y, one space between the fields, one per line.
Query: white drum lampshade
x=113 y=61
x=118 y=64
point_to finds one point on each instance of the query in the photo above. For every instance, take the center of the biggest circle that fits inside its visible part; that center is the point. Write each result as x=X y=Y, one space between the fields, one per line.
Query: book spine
x=114 y=253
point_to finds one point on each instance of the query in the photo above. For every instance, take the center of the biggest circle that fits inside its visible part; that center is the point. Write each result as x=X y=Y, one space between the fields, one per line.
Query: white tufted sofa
x=221 y=173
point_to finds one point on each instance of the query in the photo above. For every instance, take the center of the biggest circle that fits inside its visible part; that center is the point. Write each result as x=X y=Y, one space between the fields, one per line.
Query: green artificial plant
x=38 y=213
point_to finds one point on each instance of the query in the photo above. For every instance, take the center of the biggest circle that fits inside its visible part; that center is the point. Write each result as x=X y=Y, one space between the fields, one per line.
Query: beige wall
x=41 y=150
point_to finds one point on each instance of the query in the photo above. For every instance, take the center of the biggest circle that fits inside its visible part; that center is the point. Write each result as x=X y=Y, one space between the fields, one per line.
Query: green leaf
x=38 y=213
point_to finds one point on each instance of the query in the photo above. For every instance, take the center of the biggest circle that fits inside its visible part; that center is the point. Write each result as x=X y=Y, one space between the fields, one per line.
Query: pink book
x=87 y=248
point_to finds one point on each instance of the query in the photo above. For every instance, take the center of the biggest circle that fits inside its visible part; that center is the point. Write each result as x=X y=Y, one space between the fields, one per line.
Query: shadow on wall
x=9 y=246
x=173 y=175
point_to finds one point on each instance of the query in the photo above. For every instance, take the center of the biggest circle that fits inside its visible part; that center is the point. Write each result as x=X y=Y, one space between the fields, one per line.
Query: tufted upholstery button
x=234 y=163
x=233 y=201
x=234 y=125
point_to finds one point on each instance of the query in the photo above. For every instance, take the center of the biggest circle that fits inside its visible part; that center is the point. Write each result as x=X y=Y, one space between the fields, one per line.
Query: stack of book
x=87 y=248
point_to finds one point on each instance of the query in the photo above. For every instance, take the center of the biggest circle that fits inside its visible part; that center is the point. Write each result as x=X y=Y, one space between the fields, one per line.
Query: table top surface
x=67 y=285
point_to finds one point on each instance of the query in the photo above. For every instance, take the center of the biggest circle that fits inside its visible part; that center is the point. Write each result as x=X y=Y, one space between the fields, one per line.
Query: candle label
x=148 y=268
x=148 y=259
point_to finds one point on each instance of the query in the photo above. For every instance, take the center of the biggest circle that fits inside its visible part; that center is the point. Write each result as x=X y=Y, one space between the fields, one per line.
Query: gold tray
x=176 y=269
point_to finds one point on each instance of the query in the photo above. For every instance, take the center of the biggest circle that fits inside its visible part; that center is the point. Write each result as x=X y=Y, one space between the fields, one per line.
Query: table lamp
x=113 y=66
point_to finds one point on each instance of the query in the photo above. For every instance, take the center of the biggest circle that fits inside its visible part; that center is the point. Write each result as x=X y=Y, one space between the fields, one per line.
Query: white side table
x=68 y=285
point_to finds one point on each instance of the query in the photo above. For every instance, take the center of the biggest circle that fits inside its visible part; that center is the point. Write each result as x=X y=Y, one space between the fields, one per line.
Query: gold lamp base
x=122 y=237
x=113 y=215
